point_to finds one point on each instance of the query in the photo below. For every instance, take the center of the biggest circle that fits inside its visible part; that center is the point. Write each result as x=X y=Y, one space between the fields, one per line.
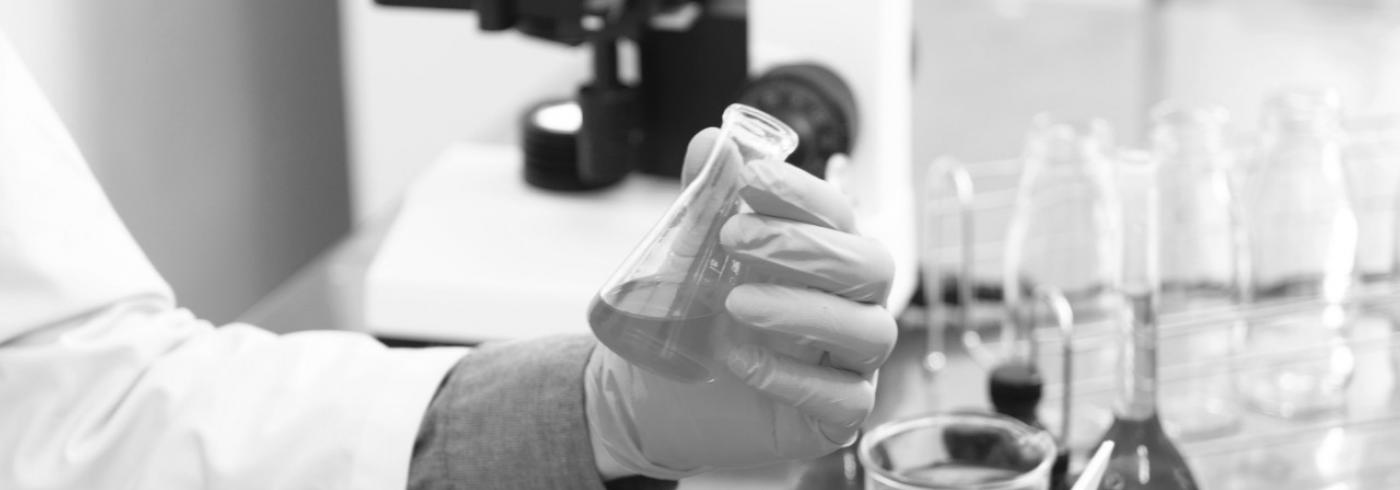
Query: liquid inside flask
x=664 y=306
x=1144 y=457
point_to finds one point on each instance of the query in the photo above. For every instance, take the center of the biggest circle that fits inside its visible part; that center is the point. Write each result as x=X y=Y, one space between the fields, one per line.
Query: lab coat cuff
x=511 y=415
x=406 y=384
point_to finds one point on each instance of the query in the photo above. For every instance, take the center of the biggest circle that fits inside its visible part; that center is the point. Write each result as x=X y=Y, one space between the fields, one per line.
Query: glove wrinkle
x=857 y=336
x=785 y=191
x=817 y=257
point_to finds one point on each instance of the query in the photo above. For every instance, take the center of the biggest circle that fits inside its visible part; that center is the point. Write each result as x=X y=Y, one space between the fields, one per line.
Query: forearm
x=137 y=396
x=512 y=415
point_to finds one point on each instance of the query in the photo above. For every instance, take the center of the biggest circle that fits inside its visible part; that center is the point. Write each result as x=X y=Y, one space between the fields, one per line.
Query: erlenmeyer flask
x=1144 y=458
x=1201 y=264
x=1302 y=240
x=660 y=307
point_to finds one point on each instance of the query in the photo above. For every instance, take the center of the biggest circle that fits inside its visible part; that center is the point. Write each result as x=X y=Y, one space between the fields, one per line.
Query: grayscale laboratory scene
x=700 y=244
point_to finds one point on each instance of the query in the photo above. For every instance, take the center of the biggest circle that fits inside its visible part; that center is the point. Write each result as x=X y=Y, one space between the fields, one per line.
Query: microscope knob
x=815 y=102
x=550 y=132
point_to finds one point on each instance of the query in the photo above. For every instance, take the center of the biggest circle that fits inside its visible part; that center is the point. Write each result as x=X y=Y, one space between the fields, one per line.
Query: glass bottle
x=1303 y=235
x=1064 y=237
x=1201 y=264
x=1372 y=162
x=1373 y=154
x=1143 y=457
x=661 y=308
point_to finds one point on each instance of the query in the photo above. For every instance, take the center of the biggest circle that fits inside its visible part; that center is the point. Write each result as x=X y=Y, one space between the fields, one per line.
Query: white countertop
x=478 y=254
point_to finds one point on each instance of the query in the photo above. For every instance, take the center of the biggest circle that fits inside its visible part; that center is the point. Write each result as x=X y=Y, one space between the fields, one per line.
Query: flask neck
x=757 y=135
x=1141 y=283
x=1138 y=358
x=746 y=135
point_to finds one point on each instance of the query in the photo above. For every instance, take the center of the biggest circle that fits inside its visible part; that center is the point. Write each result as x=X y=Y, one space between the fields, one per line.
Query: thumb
x=699 y=150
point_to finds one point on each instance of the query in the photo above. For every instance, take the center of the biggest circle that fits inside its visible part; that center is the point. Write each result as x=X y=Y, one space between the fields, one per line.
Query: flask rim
x=756 y=126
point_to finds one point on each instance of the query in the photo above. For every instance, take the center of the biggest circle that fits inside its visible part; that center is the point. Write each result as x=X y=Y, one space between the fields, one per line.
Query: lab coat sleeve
x=105 y=384
x=512 y=415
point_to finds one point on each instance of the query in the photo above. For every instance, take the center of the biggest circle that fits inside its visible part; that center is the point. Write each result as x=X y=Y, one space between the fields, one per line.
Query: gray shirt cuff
x=511 y=415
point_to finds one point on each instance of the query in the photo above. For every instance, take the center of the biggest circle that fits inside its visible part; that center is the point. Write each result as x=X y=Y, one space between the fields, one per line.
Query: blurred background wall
x=422 y=79
x=238 y=139
x=1234 y=52
x=216 y=127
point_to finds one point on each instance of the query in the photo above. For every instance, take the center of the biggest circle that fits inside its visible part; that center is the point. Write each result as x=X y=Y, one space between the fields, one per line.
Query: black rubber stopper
x=1015 y=389
x=551 y=153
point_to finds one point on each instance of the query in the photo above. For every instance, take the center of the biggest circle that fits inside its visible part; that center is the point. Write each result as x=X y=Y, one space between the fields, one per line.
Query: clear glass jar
x=1302 y=236
x=1372 y=158
x=1064 y=236
x=1201 y=262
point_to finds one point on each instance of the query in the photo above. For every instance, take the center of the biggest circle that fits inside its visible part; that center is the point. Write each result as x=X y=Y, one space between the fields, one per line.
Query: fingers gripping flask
x=659 y=309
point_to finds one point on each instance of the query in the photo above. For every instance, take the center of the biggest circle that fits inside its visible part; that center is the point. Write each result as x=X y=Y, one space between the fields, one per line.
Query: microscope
x=839 y=72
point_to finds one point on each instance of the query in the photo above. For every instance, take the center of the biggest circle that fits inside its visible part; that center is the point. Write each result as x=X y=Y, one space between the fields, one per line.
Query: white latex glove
x=828 y=284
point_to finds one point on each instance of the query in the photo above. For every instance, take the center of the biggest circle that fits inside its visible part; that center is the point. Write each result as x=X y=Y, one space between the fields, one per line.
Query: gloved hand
x=823 y=293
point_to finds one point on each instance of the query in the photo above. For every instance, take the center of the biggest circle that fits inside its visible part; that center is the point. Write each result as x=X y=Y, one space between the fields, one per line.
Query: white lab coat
x=104 y=383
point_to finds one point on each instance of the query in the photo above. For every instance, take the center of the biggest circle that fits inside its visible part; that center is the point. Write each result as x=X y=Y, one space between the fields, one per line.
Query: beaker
x=957 y=451
x=663 y=307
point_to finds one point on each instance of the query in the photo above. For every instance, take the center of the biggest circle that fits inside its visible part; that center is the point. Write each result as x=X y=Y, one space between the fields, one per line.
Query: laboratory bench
x=326 y=294
x=1355 y=448
x=1346 y=454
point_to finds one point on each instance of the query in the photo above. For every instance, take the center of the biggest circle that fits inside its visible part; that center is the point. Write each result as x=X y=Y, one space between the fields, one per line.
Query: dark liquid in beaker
x=955 y=473
x=660 y=326
x=1139 y=440
x=974 y=456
